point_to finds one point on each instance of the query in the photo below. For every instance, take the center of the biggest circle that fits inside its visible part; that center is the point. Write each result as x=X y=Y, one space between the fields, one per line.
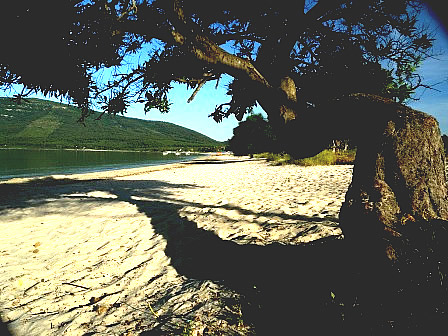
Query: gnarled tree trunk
x=393 y=219
x=394 y=215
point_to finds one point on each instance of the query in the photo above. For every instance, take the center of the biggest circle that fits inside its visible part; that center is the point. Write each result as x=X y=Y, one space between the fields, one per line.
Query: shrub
x=324 y=158
x=346 y=157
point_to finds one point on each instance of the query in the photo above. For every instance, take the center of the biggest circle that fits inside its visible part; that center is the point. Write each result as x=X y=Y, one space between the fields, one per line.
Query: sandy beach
x=157 y=250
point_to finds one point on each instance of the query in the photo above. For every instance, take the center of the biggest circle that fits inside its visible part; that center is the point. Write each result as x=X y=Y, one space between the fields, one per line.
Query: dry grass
x=325 y=158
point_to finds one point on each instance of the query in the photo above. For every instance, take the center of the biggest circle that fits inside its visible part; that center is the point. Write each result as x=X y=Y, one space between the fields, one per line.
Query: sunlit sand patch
x=94 y=194
x=99 y=256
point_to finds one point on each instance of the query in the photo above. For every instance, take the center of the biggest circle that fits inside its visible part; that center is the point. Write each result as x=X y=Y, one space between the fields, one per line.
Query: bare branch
x=198 y=88
x=204 y=49
x=101 y=115
x=132 y=8
x=321 y=9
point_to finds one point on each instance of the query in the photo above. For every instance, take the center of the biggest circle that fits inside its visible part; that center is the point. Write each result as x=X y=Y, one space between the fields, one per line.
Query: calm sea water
x=30 y=162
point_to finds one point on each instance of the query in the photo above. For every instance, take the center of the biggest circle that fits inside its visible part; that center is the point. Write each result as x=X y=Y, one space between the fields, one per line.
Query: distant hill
x=44 y=124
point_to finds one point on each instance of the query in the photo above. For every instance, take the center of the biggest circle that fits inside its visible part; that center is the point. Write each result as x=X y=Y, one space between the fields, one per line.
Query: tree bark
x=399 y=173
x=393 y=218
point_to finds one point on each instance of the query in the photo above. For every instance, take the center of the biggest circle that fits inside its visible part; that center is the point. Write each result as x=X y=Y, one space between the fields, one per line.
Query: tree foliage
x=254 y=135
x=324 y=48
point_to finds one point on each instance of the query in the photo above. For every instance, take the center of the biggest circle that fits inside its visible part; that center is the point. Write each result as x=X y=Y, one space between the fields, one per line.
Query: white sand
x=87 y=253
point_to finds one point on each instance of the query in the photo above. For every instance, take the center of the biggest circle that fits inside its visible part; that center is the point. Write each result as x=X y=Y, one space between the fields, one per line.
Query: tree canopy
x=294 y=54
x=251 y=136
x=316 y=67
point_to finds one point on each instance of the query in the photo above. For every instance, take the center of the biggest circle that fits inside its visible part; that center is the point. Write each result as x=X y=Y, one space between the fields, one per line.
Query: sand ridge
x=116 y=252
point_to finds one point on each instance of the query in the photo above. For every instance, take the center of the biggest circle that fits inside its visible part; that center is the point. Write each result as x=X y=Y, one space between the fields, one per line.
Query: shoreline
x=95 y=150
x=165 y=248
x=122 y=172
x=108 y=170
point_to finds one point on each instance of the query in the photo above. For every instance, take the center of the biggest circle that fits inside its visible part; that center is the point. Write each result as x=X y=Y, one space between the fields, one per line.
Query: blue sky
x=194 y=115
x=433 y=71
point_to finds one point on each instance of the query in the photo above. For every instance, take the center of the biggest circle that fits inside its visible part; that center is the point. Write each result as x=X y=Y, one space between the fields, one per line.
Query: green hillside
x=39 y=123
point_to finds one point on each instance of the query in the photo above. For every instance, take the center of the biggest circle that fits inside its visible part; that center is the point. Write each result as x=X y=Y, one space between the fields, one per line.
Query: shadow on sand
x=287 y=290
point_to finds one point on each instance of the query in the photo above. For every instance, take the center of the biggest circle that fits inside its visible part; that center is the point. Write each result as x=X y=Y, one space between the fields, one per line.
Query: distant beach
x=164 y=248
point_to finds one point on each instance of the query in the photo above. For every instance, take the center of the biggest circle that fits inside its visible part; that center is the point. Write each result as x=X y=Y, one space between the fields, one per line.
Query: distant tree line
x=255 y=135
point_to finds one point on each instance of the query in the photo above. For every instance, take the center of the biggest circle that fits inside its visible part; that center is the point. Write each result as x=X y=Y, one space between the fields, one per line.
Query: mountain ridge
x=38 y=123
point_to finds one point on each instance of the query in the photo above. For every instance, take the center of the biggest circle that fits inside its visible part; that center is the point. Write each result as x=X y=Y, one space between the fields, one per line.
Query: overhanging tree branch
x=204 y=49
